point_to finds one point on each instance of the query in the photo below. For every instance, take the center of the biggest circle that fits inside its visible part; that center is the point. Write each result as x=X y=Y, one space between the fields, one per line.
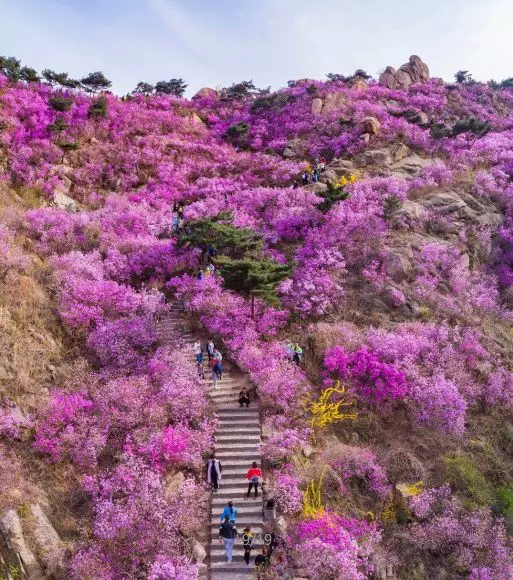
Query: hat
x=230 y=503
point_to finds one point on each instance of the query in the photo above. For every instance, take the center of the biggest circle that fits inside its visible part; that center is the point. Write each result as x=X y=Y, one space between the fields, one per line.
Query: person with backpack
x=230 y=512
x=227 y=534
x=247 y=540
x=254 y=476
x=214 y=472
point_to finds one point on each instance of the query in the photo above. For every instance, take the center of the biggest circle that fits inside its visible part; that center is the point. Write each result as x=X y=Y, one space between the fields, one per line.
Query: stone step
x=228 y=454
x=235 y=463
x=244 y=508
x=249 y=504
x=238 y=442
x=238 y=420
x=235 y=493
x=242 y=431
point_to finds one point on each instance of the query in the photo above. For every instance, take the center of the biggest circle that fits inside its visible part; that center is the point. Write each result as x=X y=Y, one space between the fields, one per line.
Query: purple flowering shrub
x=333 y=546
x=471 y=543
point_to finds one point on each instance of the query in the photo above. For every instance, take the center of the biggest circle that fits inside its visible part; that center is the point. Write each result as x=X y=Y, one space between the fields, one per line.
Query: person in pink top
x=254 y=477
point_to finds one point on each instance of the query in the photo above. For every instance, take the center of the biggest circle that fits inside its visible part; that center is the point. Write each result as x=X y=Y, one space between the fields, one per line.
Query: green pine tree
x=253 y=277
x=219 y=232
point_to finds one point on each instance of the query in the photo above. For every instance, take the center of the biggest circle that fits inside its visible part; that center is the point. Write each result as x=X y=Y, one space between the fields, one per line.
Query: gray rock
x=380 y=157
x=342 y=167
x=12 y=528
x=206 y=92
x=371 y=125
x=198 y=552
x=292 y=149
x=414 y=71
x=411 y=212
x=281 y=526
x=317 y=106
x=49 y=545
x=333 y=102
x=398 y=262
x=410 y=166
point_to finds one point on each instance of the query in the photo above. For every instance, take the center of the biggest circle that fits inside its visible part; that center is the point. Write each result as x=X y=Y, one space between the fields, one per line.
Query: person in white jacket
x=214 y=472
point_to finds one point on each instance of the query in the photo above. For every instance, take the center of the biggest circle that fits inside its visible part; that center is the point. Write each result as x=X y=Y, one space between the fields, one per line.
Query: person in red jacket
x=254 y=477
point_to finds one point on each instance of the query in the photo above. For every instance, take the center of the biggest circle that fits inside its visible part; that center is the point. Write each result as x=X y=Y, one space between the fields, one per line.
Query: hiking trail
x=237 y=445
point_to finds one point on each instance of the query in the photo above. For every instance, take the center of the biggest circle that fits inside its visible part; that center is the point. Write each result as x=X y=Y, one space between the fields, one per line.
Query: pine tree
x=95 y=81
x=219 y=232
x=143 y=88
x=174 y=87
x=253 y=277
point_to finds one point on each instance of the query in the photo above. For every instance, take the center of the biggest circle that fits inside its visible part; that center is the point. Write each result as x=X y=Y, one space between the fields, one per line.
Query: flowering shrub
x=373 y=379
x=135 y=526
x=472 y=543
x=140 y=413
x=354 y=463
x=336 y=547
x=287 y=493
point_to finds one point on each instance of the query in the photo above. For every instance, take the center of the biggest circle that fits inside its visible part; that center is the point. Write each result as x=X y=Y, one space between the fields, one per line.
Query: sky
x=218 y=42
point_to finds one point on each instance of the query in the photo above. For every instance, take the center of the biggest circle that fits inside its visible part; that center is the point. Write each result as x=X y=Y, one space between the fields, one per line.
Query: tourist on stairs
x=227 y=534
x=230 y=512
x=247 y=540
x=244 y=397
x=214 y=471
x=254 y=476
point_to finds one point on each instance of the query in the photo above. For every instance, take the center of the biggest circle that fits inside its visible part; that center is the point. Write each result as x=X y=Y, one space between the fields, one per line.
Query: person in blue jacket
x=230 y=512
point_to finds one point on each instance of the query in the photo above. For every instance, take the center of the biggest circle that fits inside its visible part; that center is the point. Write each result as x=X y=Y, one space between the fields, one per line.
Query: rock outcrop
x=206 y=92
x=49 y=545
x=414 y=71
x=13 y=530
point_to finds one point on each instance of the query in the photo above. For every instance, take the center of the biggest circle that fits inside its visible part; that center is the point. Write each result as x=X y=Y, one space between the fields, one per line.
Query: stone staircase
x=237 y=445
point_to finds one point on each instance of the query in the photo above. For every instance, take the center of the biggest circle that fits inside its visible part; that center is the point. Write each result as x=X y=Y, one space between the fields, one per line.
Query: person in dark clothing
x=272 y=542
x=262 y=560
x=214 y=471
x=315 y=176
x=247 y=539
x=295 y=185
x=227 y=534
x=211 y=253
x=305 y=177
x=244 y=397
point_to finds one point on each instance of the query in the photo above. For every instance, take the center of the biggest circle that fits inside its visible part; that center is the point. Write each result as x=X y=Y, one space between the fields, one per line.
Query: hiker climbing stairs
x=237 y=445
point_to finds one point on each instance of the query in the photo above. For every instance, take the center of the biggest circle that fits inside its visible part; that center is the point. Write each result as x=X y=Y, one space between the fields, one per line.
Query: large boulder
x=206 y=92
x=12 y=529
x=358 y=83
x=398 y=262
x=198 y=552
x=342 y=167
x=317 y=106
x=293 y=149
x=379 y=157
x=410 y=166
x=371 y=125
x=414 y=71
x=333 y=102
x=49 y=545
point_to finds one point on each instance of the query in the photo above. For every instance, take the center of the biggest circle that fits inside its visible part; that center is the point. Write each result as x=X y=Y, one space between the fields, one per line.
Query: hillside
x=371 y=222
